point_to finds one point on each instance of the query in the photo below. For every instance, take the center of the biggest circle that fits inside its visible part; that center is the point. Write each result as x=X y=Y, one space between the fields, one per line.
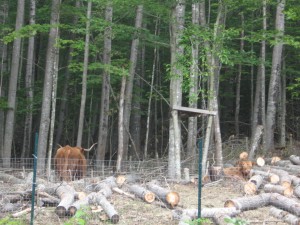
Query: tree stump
x=286 y=191
x=171 y=198
x=251 y=187
x=285 y=216
x=251 y=202
x=142 y=193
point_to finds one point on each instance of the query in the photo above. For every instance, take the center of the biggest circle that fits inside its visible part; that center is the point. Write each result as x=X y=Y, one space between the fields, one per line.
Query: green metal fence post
x=199 y=177
x=34 y=177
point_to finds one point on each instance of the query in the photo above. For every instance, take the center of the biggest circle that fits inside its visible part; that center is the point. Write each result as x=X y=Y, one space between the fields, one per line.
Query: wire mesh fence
x=103 y=197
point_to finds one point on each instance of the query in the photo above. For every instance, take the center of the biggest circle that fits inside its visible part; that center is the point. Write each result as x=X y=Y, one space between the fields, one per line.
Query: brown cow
x=70 y=162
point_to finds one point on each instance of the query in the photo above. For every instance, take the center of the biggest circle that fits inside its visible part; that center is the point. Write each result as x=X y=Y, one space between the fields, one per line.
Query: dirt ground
x=136 y=212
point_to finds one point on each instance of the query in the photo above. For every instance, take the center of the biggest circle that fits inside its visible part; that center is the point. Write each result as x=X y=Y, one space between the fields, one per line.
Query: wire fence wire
x=16 y=187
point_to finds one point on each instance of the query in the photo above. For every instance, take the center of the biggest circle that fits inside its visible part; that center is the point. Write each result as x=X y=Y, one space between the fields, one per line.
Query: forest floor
x=136 y=212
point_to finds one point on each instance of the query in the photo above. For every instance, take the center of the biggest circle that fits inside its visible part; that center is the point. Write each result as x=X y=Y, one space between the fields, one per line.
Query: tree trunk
x=64 y=97
x=275 y=75
x=104 y=110
x=177 y=51
x=255 y=141
x=238 y=83
x=48 y=82
x=155 y=53
x=3 y=69
x=121 y=126
x=29 y=86
x=84 y=75
x=12 y=90
x=130 y=81
x=282 y=113
x=193 y=92
x=263 y=75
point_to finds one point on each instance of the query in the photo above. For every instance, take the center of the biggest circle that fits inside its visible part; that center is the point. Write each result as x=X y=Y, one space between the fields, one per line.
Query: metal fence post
x=199 y=177
x=34 y=177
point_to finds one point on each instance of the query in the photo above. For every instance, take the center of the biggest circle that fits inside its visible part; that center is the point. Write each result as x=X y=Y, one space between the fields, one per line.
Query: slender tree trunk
x=64 y=97
x=214 y=73
x=263 y=75
x=3 y=69
x=129 y=82
x=282 y=112
x=48 y=82
x=121 y=126
x=193 y=92
x=53 y=109
x=29 y=87
x=84 y=75
x=275 y=75
x=177 y=26
x=150 y=97
x=104 y=110
x=12 y=91
x=238 y=83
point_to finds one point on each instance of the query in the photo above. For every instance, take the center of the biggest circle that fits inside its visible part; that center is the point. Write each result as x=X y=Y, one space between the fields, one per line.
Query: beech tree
x=275 y=75
x=12 y=90
x=48 y=81
x=177 y=51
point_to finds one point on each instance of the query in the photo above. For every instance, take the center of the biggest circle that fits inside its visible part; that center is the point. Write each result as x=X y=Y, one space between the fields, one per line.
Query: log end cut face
x=173 y=199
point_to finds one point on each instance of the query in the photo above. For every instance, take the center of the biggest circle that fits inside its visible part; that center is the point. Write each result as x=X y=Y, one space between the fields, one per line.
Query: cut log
x=191 y=214
x=244 y=156
x=101 y=200
x=171 y=198
x=142 y=193
x=271 y=161
x=78 y=204
x=120 y=191
x=255 y=141
x=295 y=159
x=295 y=180
x=283 y=163
x=285 y=179
x=270 y=177
x=260 y=161
x=285 y=216
x=66 y=193
x=271 y=188
x=251 y=187
x=6 y=178
x=220 y=219
x=128 y=179
x=248 y=203
x=285 y=203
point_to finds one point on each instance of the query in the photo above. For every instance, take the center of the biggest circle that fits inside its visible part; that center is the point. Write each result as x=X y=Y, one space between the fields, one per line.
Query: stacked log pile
x=98 y=192
x=270 y=182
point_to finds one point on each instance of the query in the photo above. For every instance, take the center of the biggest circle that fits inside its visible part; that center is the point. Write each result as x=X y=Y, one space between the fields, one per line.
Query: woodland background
x=111 y=72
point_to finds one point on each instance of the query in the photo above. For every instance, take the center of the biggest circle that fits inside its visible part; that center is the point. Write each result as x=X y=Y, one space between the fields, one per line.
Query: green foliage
x=80 y=218
x=235 y=221
x=11 y=221
x=199 y=221
x=3 y=103
x=26 y=31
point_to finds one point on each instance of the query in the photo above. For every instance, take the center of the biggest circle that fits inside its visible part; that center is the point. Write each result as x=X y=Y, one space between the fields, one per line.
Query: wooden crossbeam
x=194 y=110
